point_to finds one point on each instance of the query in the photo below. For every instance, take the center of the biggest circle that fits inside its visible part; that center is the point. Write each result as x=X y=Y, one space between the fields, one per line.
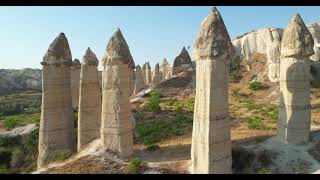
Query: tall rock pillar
x=294 y=108
x=156 y=75
x=56 y=125
x=116 y=127
x=211 y=142
x=139 y=83
x=131 y=76
x=148 y=74
x=75 y=81
x=89 y=118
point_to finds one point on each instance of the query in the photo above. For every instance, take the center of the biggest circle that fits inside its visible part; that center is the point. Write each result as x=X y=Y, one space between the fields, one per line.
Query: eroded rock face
x=182 y=62
x=295 y=108
x=139 y=83
x=165 y=69
x=268 y=41
x=315 y=32
x=257 y=42
x=147 y=74
x=211 y=143
x=132 y=76
x=156 y=75
x=56 y=131
x=75 y=81
x=116 y=126
x=89 y=114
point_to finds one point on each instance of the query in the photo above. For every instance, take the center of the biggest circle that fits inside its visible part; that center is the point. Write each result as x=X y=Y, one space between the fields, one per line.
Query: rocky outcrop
x=315 y=32
x=132 y=66
x=211 y=142
x=139 y=83
x=268 y=41
x=12 y=81
x=75 y=80
x=165 y=69
x=56 y=131
x=116 y=127
x=182 y=62
x=146 y=72
x=89 y=114
x=295 y=109
x=156 y=75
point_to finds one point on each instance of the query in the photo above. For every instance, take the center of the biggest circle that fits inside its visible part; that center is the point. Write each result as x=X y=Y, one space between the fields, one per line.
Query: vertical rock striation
x=211 y=142
x=295 y=108
x=89 y=118
x=139 y=83
x=56 y=131
x=116 y=126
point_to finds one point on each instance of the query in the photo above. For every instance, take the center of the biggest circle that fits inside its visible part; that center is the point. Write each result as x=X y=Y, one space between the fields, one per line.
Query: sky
x=152 y=32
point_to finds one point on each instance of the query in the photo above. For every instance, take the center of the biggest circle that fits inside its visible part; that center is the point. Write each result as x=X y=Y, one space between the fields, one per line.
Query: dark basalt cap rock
x=90 y=58
x=58 y=51
x=297 y=40
x=117 y=50
x=182 y=58
x=213 y=39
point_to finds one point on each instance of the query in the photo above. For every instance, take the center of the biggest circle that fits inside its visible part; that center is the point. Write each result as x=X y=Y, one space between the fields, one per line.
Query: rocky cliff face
x=13 y=81
x=268 y=42
x=19 y=80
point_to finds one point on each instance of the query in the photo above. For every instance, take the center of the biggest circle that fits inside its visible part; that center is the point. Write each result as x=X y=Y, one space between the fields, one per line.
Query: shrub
x=255 y=123
x=9 y=141
x=154 y=101
x=249 y=104
x=255 y=85
x=5 y=157
x=17 y=158
x=134 y=166
x=10 y=123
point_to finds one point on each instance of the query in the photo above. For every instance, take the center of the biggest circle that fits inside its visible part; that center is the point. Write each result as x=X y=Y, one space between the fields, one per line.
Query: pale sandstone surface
x=116 y=126
x=148 y=73
x=165 y=69
x=56 y=125
x=89 y=114
x=295 y=108
x=156 y=75
x=131 y=76
x=182 y=62
x=139 y=83
x=211 y=143
x=75 y=82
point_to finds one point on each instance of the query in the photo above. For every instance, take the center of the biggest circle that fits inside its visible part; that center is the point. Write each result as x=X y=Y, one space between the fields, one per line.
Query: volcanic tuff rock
x=182 y=62
x=211 y=142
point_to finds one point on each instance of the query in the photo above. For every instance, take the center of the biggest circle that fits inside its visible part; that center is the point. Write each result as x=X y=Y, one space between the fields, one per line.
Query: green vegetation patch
x=150 y=133
x=19 y=104
x=10 y=122
x=255 y=123
x=19 y=154
x=185 y=104
x=154 y=102
x=255 y=85
x=135 y=166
